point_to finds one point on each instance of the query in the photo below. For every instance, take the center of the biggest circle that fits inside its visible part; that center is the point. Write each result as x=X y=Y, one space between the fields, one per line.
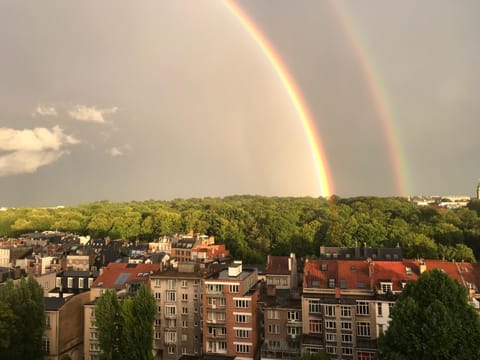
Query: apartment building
x=125 y=279
x=63 y=334
x=282 y=309
x=178 y=329
x=230 y=312
x=346 y=303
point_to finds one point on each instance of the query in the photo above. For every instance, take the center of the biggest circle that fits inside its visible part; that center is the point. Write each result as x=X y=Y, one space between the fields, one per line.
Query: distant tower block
x=478 y=191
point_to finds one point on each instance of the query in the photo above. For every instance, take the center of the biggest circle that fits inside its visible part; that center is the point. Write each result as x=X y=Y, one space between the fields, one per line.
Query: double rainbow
x=319 y=157
x=375 y=88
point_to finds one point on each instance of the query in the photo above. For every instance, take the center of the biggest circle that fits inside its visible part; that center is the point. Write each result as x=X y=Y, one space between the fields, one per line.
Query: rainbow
x=318 y=154
x=378 y=94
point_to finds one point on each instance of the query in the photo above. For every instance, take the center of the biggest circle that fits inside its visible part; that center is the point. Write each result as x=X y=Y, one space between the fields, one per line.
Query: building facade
x=230 y=313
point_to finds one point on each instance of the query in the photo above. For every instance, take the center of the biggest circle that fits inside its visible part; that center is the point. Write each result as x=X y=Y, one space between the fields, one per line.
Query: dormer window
x=331 y=283
x=324 y=267
x=386 y=287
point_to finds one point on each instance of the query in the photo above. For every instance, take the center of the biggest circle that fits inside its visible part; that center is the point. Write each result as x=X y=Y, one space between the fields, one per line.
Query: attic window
x=408 y=270
x=343 y=284
x=331 y=283
x=324 y=267
x=386 y=287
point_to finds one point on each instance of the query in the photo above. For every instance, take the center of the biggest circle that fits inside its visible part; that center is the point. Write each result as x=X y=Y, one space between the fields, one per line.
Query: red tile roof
x=277 y=265
x=363 y=274
x=117 y=275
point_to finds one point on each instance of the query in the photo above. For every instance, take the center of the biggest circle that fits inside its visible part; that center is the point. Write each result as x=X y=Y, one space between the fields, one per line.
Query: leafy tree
x=22 y=309
x=432 y=319
x=108 y=319
x=125 y=326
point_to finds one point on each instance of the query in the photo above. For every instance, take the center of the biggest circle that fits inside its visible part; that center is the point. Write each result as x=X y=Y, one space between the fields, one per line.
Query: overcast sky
x=109 y=100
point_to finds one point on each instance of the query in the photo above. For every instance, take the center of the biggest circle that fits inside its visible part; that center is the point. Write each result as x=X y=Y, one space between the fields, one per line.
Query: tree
x=108 y=319
x=432 y=319
x=125 y=326
x=22 y=309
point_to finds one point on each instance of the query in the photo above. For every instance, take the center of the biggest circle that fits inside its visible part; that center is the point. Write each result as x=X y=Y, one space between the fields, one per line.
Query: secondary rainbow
x=378 y=95
x=319 y=158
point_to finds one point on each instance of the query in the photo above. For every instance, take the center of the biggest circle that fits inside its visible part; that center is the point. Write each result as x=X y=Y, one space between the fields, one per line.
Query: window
x=314 y=307
x=46 y=344
x=171 y=349
x=158 y=322
x=93 y=335
x=171 y=284
x=184 y=337
x=242 y=303
x=331 y=349
x=184 y=283
x=171 y=296
x=184 y=297
x=362 y=308
x=170 y=310
x=158 y=295
x=331 y=283
x=158 y=282
x=221 y=315
x=379 y=309
x=386 y=287
x=330 y=324
x=346 y=325
x=234 y=288
x=222 y=302
x=274 y=329
x=363 y=355
x=47 y=322
x=273 y=314
x=380 y=329
x=184 y=323
x=293 y=316
x=242 y=348
x=58 y=282
x=293 y=330
x=332 y=337
x=343 y=284
x=70 y=282
x=390 y=306
x=329 y=310
x=347 y=351
x=347 y=338
x=81 y=283
x=346 y=311
x=363 y=329
x=315 y=326
x=242 y=333
x=241 y=318
x=94 y=347
x=184 y=310
x=184 y=350
x=324 y=267
x=214 y=288
x=170 y=337
x=172 y=323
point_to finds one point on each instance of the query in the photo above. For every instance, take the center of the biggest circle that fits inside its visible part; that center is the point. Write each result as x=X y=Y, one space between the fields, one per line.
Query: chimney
x=422 y=266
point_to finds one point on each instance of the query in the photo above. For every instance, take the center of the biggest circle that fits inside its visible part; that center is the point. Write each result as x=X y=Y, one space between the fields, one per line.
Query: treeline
x=253 y=226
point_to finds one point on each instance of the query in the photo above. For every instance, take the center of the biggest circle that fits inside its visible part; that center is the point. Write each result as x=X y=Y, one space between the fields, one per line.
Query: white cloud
x=29 y=149
x=90 y=113
x=37 y=139
x=119 y=150
x=45 y=111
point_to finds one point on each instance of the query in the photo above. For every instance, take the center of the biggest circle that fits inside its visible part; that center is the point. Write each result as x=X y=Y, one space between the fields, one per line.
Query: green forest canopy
x=253 y=226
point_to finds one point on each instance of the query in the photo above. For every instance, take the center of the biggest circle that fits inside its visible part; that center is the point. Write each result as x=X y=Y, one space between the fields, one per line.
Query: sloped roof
x=277 y=265
x=117 y=275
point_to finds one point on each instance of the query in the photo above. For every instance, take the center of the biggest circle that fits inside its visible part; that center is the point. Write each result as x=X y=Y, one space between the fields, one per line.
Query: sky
x=159 y=100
